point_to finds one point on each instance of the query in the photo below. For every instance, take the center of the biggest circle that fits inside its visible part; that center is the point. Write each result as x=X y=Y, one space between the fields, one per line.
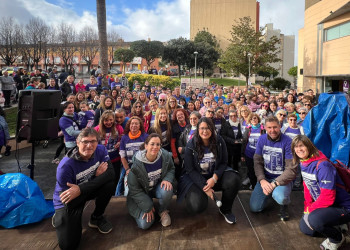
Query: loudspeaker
x=38 y=115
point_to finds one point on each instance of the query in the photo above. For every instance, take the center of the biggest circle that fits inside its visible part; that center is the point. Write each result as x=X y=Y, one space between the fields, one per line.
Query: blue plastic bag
x=328 y=126
x=21 y=201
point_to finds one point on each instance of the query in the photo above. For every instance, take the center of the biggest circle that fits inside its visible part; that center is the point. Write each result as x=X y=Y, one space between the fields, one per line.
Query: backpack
x=343 y=172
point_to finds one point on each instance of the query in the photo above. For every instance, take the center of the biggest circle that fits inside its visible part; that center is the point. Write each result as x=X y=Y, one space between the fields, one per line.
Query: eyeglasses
x=138 y=107
x=153 y=105
x=255 y=118
x=244 y=110
x=306 y=104
x=87 y=142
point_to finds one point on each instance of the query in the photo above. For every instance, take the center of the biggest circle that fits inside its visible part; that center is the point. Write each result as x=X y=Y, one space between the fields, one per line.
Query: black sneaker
x=103 y=225
x=284 y=215
x=230 y=218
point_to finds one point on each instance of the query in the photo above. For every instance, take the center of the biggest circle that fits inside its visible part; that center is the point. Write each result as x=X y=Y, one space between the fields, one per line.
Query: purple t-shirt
x=324 y=177
x=292 y=132
x=77 y=172
x=86 y=119
x=129 y=147
x=252 y=141
x=154 y=172
x=274 y=153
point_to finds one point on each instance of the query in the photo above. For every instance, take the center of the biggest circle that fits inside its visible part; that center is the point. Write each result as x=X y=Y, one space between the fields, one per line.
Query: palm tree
x=102 y=34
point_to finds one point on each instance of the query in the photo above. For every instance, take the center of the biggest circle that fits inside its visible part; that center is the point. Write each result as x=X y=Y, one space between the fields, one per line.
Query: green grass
x=11 y=118
x=227 y=82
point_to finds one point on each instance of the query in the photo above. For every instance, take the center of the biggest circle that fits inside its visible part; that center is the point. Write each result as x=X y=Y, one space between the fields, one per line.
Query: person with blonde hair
x=150 y=115
x=162 y=127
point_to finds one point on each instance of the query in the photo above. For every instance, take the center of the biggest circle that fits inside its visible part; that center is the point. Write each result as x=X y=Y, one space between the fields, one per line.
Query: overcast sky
x=139 y=19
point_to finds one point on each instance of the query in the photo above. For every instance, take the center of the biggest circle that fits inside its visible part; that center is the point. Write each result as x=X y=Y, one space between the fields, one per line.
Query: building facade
x=218 y=16
x=287 y=51
x=324 y=46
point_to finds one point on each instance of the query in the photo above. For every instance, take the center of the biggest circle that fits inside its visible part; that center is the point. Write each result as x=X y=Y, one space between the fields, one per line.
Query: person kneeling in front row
x=206 y=170
x=151 y=176
x=83 y=174
x=274 y=169
x=327 y=204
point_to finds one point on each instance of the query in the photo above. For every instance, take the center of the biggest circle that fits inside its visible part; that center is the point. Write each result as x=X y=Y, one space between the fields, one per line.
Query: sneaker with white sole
x=327 y=245
x=103 y=225
x=230 y=218
x=165 y=219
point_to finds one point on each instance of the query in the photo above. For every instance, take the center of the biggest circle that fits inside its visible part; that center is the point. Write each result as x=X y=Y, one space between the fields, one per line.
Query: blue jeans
x=281 y=194
x=164 y=197
x=324 y=220
x=120 y=186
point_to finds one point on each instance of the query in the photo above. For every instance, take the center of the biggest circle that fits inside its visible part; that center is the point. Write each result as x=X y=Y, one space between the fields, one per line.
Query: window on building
x=337 y=31
x=57 y=60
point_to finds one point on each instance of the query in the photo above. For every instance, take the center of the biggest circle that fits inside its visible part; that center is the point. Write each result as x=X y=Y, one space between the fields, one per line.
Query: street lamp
x=249 y=55
x=195 y=64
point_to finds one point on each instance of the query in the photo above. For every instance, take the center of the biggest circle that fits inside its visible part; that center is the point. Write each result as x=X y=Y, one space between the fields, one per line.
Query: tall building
x=218 y=16
x=324 y=46
x=287 y=49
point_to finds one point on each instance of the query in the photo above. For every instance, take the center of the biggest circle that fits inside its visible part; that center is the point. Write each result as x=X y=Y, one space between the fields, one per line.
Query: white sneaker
x=246 y=181
x=1 y=156
x=327 y=245
x=165 y=219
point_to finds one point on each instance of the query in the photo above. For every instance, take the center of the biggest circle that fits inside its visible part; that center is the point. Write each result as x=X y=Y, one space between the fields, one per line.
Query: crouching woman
x=151 y=176
x=326 y=202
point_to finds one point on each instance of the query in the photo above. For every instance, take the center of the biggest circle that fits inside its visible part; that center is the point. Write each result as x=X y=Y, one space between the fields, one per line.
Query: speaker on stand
x=37 y=118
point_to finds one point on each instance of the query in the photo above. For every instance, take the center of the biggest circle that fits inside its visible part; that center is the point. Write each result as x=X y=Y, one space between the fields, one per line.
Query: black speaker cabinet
x=38 y=115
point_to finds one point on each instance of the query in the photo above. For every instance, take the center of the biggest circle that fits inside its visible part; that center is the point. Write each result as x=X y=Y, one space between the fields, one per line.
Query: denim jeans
x=323 y=221
x=120 y=186
x=281 y=194
x=164 y=198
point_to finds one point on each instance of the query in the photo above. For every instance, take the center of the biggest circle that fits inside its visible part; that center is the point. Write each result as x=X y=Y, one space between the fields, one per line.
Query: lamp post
x=249 y=55
x=195 y=64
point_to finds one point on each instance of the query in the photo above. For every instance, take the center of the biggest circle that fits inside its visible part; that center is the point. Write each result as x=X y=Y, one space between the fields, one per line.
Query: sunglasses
x=282 y=115
x=302 y=113
x=162 y=100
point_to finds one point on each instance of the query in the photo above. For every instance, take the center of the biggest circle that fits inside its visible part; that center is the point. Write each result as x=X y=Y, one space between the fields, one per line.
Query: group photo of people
x=149 y=143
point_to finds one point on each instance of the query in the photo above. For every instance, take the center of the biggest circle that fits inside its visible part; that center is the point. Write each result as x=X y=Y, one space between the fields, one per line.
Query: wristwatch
x=275 y=182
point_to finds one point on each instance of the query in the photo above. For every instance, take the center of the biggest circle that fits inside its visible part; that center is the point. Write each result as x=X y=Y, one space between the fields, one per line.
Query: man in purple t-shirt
x=274 y=169
x=83 y=174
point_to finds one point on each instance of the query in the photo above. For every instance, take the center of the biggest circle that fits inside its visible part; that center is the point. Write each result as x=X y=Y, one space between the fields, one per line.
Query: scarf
x=232 y=123
x=256 y=127
x=133 y=137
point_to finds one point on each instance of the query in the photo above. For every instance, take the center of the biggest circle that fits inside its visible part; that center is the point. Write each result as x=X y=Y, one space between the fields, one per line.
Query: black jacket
x=66 y=89
x=192 y=163
x=229 y=136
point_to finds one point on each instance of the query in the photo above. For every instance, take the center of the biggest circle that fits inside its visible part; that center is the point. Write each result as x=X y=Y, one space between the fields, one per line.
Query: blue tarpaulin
x=328 y=126
x=21 y=201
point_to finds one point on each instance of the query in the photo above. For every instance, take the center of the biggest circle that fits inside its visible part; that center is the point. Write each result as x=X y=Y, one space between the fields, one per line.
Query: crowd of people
x=152 y=142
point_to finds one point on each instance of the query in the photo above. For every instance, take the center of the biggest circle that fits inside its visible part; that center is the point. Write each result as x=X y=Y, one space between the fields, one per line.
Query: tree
x=88 y=46
x=268 y=72
x=10 y=40
x=179 y=52
x=66 y=43
x=247 y=43
x=114 y=42
x=124 y=55
x=293 y=71
x=36 y=36
x=102 y=35
x=208 y=50
x=150 y=50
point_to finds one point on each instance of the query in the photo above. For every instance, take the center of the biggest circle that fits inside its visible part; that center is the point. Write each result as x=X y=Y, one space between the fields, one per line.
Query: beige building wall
x=320 y=57
x=218 y=16
x=300 y=60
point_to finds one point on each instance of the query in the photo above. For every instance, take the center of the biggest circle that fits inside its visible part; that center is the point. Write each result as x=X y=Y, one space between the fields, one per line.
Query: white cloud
x=166 y=21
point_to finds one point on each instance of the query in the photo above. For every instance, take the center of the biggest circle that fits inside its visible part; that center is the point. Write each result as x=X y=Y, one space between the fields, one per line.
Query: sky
x=139 y=19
